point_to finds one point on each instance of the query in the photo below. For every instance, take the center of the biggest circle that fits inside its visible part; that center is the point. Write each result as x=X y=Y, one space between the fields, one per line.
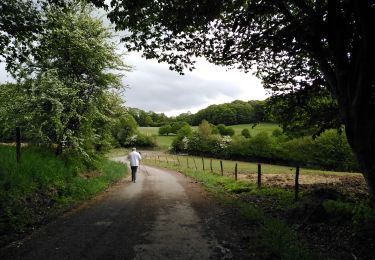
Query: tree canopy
x=293 y=44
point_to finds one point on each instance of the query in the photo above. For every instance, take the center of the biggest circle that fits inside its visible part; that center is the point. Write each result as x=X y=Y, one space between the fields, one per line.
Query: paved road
x=161 y=216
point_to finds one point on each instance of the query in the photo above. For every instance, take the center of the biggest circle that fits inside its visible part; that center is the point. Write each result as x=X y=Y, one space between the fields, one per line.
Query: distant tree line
x=236 y=112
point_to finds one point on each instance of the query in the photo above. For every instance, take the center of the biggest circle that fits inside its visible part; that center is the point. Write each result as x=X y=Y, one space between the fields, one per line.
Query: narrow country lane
x=164 y=215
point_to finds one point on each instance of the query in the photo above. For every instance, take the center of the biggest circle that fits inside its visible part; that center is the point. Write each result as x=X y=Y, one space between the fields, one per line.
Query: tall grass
x=43 y=184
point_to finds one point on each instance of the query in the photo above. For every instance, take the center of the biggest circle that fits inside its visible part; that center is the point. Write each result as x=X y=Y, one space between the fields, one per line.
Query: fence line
x=223 y=169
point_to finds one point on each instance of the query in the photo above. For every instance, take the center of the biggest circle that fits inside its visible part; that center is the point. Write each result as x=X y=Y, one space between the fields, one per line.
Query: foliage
x=141 y=140
x=14 y=111
x=329 y=151
x=165 y=129
x=236 y=112
x=172 y=128
x=65 y=85
x=332 y=149
x=205 y=129
x=143 y=118
x=43 y=183
x=123 y=125
x=307 y=112
x=225 y=130
x=277 y=133
x=282 y=242
x=360 y=214
x=245 y=133
x=180 y=141
x=20 y=23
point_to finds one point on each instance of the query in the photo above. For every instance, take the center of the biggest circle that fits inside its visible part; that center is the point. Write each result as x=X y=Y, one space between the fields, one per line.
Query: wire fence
x=237 y=170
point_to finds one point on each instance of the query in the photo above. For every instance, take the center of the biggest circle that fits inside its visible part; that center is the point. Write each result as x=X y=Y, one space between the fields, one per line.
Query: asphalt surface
x=163 y=215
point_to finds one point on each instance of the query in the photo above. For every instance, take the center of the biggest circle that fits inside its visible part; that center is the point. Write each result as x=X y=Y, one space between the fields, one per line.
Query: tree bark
x=361 y=137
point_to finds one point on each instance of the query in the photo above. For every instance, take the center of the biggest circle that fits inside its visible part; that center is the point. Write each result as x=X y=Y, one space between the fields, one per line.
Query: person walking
x=134 y=158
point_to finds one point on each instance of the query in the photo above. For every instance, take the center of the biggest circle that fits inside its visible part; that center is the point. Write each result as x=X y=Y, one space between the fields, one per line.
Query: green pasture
x=149 y=130
x=165 y=141
x=194 y=162
x=255 y=129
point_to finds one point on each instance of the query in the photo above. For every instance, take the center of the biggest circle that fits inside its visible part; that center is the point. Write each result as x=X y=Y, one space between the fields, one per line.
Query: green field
x=165 y=141
x=262 y=127
x=194 y=162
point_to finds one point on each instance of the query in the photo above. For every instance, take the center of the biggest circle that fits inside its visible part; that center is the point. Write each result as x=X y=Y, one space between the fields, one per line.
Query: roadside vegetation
x=59 y=119
x=42 y=186
x=329 y=151
x=289 y=229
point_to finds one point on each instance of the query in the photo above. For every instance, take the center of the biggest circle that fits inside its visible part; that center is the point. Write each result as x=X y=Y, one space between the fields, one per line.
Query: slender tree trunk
x=18 y=144
x=58 y=150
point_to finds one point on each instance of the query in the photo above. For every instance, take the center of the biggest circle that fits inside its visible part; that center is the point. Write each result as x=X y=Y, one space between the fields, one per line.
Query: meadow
x=164 y=142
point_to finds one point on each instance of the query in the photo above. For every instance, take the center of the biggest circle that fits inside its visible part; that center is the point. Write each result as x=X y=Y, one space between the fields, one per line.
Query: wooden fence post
x=195 y=164
x=259 y=175
x=18 y=144
x=178 y=160
x=235 y=172
x=221 y=167
x=296 y=186
x=211 y=166
x=166 y=158
x=187 y=162
x=203 y=163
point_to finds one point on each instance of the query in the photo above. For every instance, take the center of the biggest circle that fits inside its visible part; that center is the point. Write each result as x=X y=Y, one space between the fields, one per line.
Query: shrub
x=277 y=133
x=245 y=133
x=332 y=151
x=165 y=129
x=262 y=145
x=225 y=130
x=282 y=242
x=141 y=140
x=297 y=150
x=180 y=142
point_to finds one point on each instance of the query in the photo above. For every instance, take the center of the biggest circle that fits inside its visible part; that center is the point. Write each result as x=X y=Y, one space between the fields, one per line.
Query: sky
x=152 y=86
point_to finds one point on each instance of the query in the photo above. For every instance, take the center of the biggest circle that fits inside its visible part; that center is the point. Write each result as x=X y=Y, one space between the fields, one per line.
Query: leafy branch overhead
x=294 y=45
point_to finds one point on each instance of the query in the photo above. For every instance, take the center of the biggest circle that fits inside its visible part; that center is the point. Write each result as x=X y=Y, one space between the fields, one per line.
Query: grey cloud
x=154 y=87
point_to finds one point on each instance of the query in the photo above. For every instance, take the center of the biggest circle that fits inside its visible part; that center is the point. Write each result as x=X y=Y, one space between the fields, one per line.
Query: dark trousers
x=134 y=172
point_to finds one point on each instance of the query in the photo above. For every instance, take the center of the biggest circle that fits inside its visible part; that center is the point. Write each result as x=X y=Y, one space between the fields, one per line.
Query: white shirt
x=134 y=158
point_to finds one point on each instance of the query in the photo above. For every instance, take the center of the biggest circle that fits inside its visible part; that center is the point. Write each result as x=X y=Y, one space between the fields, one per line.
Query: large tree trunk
x=352 y=81
x=360 y=132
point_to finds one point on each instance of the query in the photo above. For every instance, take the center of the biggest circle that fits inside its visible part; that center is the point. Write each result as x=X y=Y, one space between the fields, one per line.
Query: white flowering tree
x=67 y=79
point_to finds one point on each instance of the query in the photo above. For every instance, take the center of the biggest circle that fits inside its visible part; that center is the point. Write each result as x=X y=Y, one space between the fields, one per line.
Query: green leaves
x=65 y=86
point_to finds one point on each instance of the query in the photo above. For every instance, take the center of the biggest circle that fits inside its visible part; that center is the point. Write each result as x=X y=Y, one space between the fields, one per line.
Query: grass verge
x=43 y=185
